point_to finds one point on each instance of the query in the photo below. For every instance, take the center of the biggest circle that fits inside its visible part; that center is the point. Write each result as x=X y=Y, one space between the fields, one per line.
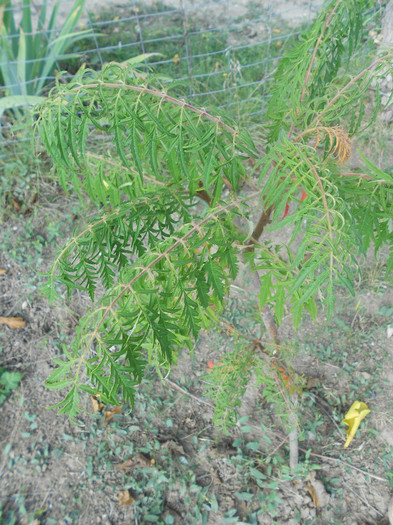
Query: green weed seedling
x=184 y=196
x=9 y=381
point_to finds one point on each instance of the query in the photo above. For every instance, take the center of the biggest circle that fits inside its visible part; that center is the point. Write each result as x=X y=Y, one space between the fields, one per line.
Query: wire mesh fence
x=225 y=49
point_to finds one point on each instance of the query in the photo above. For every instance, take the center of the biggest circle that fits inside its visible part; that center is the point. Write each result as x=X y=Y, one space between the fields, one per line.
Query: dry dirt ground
x=294 y=11
x=164 y=461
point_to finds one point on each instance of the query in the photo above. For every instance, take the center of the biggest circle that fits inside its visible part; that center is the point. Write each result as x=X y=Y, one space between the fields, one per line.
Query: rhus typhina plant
x=183 y=195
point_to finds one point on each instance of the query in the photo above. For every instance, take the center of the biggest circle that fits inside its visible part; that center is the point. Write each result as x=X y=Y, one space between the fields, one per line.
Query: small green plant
x=185 y=196
x=27 y=55
x=9 y=381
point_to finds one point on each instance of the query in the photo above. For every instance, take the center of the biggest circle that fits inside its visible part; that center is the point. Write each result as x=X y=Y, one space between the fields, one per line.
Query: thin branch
x=347 y=86
x=128 y=286
x=364 y=500
x=117 y=165
x=180 y=389
x=362 y=176
x=163 y=96
x=314 y=56
x=259 y=227
x=338 y=460
x=259 y=344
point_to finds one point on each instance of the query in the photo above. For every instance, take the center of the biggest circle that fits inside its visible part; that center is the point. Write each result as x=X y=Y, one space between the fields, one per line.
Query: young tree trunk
x=252 y=390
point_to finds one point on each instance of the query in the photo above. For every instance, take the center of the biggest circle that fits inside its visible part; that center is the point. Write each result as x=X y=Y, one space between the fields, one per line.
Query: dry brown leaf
x=312 y=382
x=125 y=498
x=2 y=272
x=138 y=461
x=110 y=413
x=13 y=322
x=215 y=476
x=97 y=405
x=317 y=491
x=339 y=141
x=143 y=461
x=126 y=465
x=17 y=203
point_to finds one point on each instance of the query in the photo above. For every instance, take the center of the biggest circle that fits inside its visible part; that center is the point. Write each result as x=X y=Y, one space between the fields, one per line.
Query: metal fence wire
x=224 y=49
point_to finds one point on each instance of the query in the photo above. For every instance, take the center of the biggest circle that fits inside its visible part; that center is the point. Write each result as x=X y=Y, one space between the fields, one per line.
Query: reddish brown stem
x=258 y=229
x=314 y=55
x=202 y=194
x=262 y=222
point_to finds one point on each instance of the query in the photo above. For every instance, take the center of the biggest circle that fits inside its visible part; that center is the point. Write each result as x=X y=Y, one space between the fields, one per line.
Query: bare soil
x=165 y=456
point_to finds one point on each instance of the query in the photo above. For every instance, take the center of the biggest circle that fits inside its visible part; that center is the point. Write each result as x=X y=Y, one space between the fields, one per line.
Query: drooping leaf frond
x=109 y=243
x=158 y=304
x=156 y=139
x=308 y=90
x=322 y=250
